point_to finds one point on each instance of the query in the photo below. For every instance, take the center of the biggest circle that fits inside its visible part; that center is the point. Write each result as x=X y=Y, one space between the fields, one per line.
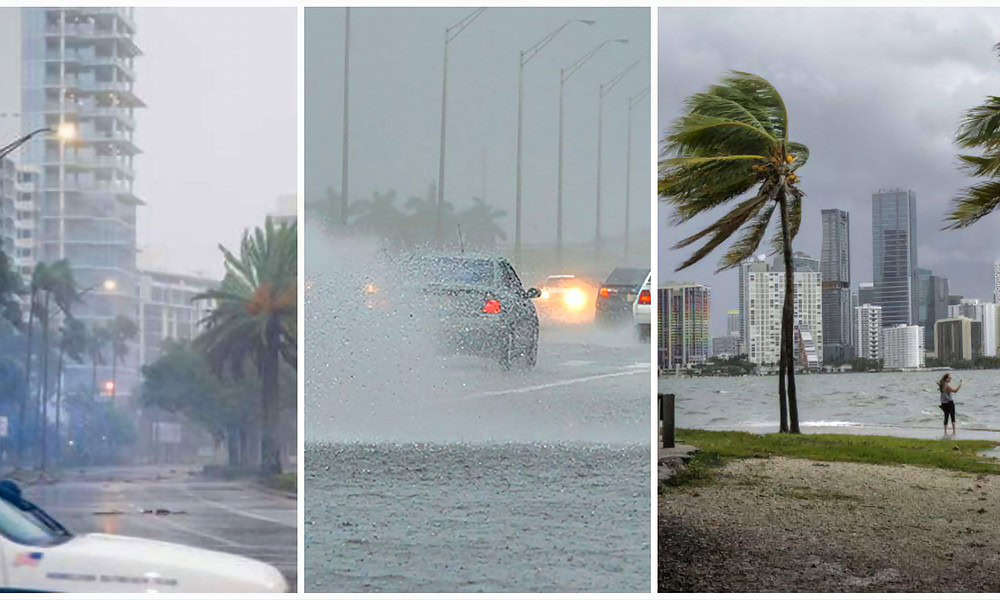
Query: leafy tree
x=181 y=382
x=732 y=146
x=979 y=129
x=254 y=320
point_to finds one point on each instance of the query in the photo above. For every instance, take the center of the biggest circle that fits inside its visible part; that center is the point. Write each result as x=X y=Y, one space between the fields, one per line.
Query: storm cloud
x=876 y=94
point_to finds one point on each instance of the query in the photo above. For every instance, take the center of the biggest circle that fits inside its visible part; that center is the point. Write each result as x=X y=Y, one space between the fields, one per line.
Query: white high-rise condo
x=868 y=331
x=765 y=295
x=903 y=347
x=78 y=67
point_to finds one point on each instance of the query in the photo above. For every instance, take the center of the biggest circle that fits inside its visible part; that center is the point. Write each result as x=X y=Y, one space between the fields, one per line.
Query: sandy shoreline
x=790 y=525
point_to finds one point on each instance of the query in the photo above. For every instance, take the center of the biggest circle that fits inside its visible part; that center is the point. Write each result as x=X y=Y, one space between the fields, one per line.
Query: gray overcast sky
x=219 y=134
x=396 y=61
x=876 y=94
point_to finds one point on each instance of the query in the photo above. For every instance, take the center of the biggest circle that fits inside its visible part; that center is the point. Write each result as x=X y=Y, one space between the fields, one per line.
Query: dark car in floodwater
x=617 y=293
x=477 y=306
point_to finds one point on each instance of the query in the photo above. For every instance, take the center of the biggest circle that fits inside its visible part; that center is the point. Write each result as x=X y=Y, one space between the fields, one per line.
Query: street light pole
x=603 y=90
x=564 y=75
x=344 y=188
x=632 y=101
x=525 y=58
x=450 y=34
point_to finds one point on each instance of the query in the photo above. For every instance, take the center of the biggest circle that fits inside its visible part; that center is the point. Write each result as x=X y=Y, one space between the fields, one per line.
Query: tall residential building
x=725 y=346
x=733 y=323
x=685 y=313
x=903 y=347
x=894 y=250
x=866 y=294
x=996 y=282
x=18 y=214
x=800 y=262
x=986 y=313
x=868 y=331
x=78 y=67
x=958 y=338
x=168 y=311
x=765 y=297
x=933 y=303
x=835 y=267
x=756 y=264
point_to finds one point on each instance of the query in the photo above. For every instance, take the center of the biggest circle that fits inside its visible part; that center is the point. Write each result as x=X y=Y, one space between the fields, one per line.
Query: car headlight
x=575 y=299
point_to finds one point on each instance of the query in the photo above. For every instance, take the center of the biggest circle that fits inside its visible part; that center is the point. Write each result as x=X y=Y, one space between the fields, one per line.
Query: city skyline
x=870 y=132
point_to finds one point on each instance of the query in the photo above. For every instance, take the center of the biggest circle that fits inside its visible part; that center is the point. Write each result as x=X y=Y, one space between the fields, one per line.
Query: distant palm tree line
x=413 y=222
x=732 y=146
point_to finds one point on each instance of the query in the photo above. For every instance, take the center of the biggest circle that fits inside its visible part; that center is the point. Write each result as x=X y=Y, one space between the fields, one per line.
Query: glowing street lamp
x=66 y=132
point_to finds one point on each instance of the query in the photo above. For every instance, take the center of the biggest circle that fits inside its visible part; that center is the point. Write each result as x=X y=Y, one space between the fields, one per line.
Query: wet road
x=590 y=385
x=227 y=516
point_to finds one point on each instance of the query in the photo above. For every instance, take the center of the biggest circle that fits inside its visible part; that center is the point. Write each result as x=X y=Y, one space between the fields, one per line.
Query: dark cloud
x=876 y=94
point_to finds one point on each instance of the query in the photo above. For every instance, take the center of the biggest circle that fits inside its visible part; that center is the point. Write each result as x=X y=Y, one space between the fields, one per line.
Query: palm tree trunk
x=27 y=381
x=93 y=377
x=59 y=369
x=45 y=383
x=782 y=395
x=788 y=314
x=270 y=461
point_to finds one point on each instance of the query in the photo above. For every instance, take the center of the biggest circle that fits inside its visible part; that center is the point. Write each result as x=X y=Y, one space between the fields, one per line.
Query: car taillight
x=644 y=297
x=605 y=293
x=492 y=307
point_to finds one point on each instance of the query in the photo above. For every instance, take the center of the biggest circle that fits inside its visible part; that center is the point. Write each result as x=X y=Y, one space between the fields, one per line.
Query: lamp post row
x=526 y=55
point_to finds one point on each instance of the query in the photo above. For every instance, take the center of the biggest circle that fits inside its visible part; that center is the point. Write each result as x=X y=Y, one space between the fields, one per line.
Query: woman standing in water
x=947 y=402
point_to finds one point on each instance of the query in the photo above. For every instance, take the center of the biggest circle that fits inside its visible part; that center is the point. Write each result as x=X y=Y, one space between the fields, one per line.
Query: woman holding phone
x=947 y=401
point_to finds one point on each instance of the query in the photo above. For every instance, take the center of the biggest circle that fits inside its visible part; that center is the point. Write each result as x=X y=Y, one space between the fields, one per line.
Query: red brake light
x=644 y=297
x=492 y=307
x=605 y=293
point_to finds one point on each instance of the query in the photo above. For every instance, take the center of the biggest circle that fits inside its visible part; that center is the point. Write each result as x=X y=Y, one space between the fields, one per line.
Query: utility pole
x=344 y=187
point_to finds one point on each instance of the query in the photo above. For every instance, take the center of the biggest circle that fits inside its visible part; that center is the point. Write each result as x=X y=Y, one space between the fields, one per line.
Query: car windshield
x=27 y=528
x=452 y=270
x=625 y=276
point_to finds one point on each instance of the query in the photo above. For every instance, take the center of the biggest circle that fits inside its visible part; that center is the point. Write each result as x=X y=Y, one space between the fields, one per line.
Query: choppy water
x=885 y=403
x=477 y=518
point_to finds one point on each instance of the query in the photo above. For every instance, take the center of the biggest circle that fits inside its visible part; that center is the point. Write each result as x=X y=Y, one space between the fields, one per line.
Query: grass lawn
x=718 y=446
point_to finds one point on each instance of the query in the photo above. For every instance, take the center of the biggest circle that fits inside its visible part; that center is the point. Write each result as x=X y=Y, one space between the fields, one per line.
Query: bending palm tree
x=980 y=128
x=733 y=140
x=255 y=319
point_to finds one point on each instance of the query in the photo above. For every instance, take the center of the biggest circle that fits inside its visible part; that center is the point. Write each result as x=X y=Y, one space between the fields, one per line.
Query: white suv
x=640 y=310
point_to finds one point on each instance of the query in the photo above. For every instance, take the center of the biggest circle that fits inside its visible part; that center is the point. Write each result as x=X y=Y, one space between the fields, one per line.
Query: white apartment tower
x=903 y=347
x=868 y=331
x=765 y=295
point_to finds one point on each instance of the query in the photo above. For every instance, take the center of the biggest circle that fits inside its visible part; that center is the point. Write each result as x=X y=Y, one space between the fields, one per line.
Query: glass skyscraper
x=835 y=267
x=894 y=252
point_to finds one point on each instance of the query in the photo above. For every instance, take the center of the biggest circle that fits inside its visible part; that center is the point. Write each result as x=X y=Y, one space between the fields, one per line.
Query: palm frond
x=696 y=134
x=752 y=233
x=721 y=229
x=973 y=203
x=980 y=126
x=800 y=152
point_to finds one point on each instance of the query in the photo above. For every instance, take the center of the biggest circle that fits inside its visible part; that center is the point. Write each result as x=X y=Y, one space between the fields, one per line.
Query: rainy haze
x=477 y=401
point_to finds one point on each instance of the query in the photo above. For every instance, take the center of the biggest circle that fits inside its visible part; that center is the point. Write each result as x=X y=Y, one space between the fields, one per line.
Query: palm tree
x=72 y=341
x=121 y=331
x=733 y=141
x=254 y=319
x=980 y=128
x=55 y=282
x=479 y=223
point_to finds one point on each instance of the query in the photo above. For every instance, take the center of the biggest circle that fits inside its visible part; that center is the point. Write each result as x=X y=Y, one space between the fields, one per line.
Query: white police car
x=38 y=554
